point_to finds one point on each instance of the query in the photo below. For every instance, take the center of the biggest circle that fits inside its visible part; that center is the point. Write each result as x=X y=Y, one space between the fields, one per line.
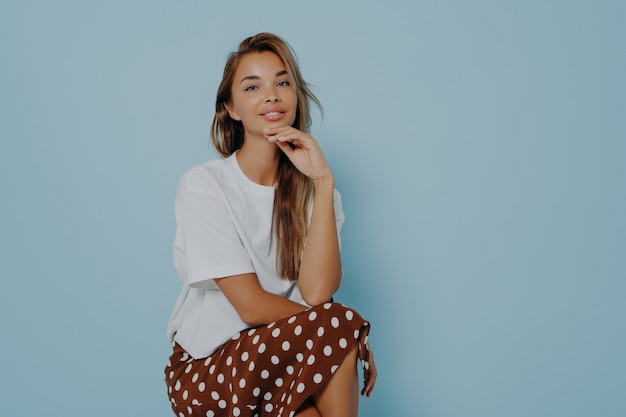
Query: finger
x=278 y=131
x=288 y=134
x=290 y=142
x=296 y=142
x=283 y=136
x=369 y=385
x=365 y=391
x=286 y=148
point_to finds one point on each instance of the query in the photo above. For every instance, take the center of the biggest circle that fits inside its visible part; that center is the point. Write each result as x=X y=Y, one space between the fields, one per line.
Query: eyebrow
x=256 y=77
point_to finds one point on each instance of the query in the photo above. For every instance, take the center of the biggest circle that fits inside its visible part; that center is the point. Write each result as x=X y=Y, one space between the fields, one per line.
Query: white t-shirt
x=223 y=228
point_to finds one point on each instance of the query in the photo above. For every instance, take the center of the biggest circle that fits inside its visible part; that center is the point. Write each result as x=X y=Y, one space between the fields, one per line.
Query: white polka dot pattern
x=267 y=371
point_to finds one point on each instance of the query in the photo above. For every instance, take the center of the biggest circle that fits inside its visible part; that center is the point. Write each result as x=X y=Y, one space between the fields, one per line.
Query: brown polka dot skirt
x=268 y=370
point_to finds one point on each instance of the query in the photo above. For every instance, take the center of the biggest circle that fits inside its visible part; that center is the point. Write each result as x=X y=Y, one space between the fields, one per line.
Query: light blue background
x=480 y=148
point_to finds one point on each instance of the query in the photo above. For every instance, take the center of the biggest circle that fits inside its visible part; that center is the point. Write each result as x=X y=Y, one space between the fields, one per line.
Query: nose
x=272 y=97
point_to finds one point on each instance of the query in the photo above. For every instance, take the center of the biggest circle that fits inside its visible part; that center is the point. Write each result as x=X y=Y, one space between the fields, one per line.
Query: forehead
x=259 y=64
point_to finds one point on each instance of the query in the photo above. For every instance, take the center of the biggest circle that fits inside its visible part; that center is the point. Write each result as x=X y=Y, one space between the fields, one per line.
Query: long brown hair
x=293 y=189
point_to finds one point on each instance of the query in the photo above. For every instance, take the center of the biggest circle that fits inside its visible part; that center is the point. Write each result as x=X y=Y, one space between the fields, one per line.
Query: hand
x=301 y=149
x=370 y=375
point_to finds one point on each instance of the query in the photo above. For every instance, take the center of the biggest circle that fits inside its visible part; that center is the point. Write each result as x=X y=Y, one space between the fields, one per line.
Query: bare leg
x=340 y=396
x=307 y=410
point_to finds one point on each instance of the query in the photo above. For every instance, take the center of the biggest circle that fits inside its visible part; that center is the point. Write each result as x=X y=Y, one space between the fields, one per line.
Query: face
x=262 y=94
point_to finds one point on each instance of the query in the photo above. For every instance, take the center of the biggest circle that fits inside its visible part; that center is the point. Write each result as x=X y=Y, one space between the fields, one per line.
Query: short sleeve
x=207 y=238
x=339 y=215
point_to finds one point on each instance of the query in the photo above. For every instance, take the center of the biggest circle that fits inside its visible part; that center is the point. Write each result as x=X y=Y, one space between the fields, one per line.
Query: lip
x=273 y=114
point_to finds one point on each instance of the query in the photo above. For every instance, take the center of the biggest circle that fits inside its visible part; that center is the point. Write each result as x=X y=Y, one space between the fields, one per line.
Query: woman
x=254 y=330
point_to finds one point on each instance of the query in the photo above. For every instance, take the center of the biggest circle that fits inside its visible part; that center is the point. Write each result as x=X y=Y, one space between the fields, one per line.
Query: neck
x=258 y=159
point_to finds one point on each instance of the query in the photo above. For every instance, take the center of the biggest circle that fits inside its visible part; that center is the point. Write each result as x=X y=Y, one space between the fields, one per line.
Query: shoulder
x=205 y=177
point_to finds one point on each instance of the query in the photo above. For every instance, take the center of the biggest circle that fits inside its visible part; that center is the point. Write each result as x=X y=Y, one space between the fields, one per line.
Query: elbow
x=316 y=300
x=251 y=321
x=251 y=317
x=319 y=297
x=322 y=292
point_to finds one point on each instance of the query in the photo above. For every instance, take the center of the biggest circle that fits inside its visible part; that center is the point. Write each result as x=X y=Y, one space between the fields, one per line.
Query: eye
x=283 y=83
x=251 y=88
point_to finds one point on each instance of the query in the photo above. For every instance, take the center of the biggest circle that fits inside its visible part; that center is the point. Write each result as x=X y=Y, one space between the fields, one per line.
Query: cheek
x=295 y=104
x=244 y=105
x=293 y=101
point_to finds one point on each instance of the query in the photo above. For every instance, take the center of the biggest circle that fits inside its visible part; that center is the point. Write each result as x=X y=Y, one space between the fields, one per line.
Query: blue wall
x=480 y=148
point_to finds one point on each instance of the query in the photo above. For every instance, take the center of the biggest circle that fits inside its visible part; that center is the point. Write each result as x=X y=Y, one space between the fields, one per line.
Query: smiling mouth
x=272 y=113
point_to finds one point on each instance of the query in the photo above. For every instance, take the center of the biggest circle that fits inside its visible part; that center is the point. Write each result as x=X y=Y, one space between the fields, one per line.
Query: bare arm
x=320 y=269
x=254 y=305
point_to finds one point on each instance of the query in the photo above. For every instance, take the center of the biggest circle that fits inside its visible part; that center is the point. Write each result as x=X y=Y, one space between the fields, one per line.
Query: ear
x=231 y=112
